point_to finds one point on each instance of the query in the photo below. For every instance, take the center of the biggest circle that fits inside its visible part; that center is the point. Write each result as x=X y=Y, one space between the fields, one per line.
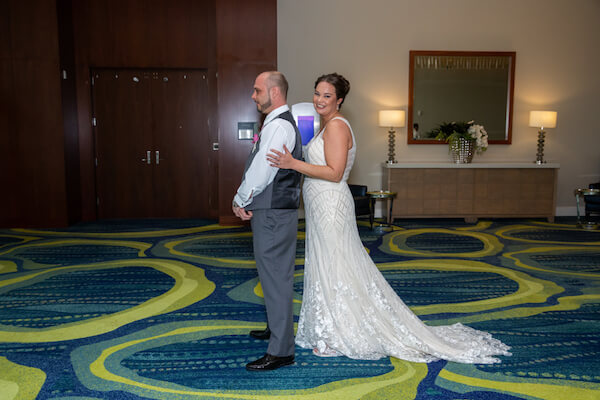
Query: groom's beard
x=263 y=106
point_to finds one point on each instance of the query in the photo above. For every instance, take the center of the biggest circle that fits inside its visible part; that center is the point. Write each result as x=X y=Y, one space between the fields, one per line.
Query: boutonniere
x=255 y=138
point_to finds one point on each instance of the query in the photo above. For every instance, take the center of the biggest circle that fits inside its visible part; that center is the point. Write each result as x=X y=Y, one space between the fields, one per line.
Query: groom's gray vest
x=284 y=191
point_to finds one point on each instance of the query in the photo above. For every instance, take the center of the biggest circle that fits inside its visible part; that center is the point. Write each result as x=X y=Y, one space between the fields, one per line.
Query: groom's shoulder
x=283 y=122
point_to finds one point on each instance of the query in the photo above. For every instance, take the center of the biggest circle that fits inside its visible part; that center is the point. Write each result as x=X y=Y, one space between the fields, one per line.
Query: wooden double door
x=153 y=143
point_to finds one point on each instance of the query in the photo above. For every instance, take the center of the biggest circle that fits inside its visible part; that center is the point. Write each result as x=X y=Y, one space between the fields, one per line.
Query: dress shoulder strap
x=349 y=127
x=342 y=119
x=345 y=121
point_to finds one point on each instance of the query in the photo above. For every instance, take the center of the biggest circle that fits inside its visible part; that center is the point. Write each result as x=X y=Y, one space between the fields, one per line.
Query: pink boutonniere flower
x=255 y=138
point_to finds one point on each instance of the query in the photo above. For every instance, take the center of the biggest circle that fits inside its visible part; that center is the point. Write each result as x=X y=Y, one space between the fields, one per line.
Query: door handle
x=148 y=159
x=157 y=157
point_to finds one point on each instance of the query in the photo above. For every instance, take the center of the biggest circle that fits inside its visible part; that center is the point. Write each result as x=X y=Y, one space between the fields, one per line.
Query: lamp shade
x=392 y=118
x=542 y=119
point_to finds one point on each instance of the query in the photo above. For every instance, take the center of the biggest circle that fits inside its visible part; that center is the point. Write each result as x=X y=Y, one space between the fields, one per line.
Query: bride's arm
x=337 y=141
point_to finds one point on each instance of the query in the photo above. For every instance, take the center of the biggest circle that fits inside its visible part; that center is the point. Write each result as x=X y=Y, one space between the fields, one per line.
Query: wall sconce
x=392 y=119
x=541 y=119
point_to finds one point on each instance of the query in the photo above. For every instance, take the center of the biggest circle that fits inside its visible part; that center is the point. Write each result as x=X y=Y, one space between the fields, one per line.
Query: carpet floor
x=161 y=309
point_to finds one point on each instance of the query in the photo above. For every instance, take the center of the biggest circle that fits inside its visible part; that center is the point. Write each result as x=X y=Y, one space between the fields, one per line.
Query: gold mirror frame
x=507 y=58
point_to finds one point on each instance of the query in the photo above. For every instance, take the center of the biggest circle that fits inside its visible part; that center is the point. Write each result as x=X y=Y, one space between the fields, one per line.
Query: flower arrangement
x=453 y=131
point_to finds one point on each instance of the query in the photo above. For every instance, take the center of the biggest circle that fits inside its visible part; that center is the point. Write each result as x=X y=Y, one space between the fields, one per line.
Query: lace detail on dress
x=348 y=308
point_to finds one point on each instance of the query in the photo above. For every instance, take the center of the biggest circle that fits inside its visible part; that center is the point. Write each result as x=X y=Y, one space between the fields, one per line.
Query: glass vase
x=462 y=150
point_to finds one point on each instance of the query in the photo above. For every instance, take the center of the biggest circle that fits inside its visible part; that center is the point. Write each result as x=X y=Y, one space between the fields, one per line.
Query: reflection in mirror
x=452 y=86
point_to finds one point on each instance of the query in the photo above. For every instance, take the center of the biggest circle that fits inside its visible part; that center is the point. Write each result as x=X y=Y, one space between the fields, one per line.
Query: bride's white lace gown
x=348 y=308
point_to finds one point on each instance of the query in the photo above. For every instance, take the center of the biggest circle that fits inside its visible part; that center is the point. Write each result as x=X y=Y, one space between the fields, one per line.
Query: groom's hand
x=242 y=213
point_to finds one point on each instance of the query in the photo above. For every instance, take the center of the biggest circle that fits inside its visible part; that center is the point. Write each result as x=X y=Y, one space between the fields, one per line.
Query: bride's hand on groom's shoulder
x=280 y=159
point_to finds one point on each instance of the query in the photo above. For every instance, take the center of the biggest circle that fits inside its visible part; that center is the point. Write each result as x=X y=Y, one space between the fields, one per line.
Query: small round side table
x=585 y=192
x=381 y=195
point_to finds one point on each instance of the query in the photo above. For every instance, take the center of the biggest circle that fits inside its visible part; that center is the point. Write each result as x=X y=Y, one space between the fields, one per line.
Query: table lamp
x=391 y=119
x=542 y=119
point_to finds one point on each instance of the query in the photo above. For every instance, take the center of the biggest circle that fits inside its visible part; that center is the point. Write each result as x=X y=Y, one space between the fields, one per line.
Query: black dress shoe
x=261 y=335
x=269 y=362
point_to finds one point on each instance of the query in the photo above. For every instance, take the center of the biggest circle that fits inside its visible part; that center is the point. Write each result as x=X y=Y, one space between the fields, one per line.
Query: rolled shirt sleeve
x=260 y=174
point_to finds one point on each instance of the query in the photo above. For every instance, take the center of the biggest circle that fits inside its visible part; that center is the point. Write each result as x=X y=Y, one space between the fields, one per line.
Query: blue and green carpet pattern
x=161 y=309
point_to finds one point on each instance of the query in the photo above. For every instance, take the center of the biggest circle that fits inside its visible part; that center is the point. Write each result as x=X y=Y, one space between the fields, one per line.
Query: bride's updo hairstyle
x=341 y=85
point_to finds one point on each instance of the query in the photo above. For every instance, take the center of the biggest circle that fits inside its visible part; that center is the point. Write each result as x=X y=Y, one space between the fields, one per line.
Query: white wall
x=557 y=43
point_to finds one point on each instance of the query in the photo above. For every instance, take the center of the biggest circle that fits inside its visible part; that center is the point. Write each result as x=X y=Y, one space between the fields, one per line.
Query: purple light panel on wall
x=306 y=126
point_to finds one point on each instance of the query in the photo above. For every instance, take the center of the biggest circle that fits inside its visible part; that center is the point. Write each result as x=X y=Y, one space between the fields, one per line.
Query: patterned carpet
x=160 y=309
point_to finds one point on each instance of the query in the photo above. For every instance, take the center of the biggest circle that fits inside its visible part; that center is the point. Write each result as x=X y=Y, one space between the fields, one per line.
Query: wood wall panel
x=36 y=191
x=236 y=38
x=146 y=34
x=33 y=29
x=69 y=109
x=86 y=140
x=246 y=46
x=40 y=143
x=9 y=200
x=5 y=52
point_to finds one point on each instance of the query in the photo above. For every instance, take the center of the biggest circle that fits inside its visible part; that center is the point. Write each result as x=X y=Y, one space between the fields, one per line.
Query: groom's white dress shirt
x=275 y=133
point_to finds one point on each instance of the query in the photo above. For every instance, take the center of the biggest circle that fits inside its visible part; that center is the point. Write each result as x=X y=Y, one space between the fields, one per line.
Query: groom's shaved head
x=276 y=79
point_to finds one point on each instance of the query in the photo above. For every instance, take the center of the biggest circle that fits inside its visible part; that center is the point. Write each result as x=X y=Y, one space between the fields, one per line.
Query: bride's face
x=325 y=100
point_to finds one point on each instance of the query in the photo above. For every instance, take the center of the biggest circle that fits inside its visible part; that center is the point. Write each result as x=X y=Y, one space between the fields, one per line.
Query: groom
x=269 y=197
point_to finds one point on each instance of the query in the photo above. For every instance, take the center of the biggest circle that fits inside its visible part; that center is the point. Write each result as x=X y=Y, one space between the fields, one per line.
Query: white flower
x=478 y=133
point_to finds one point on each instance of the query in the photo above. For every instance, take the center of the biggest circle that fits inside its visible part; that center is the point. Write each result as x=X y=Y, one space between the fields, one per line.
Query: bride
x=348 y=308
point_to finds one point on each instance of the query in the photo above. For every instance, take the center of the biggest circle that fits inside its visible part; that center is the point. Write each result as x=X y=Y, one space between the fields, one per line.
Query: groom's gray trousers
x=274 y=239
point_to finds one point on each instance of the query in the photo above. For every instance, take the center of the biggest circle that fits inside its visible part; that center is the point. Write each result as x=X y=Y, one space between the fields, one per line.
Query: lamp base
x=391 y=146
x=539 y=159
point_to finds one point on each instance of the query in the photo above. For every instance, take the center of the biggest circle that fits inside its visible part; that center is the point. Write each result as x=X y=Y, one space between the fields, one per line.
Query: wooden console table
x=471 y=191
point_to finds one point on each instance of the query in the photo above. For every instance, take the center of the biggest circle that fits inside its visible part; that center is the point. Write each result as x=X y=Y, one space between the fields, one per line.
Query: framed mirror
x=452 y=86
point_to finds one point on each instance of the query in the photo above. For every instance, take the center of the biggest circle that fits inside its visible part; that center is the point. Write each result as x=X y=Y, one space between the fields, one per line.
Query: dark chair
x=592 y=203
x=361 y=200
